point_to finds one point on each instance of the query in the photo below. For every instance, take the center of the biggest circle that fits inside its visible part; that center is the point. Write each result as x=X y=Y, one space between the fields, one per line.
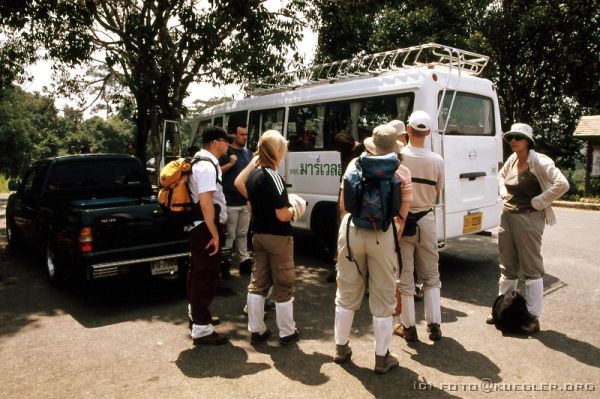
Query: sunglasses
x=511 y=137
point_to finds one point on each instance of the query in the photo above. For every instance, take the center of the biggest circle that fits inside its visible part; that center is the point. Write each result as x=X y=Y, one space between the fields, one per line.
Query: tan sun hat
x=383 y=141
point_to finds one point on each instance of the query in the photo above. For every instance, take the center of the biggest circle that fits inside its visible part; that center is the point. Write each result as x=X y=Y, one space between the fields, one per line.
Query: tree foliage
x=545 y=58
x=156 y=48
x=31 y=129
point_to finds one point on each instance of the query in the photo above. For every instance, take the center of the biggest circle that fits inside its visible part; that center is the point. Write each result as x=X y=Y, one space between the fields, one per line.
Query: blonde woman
x=272 y=240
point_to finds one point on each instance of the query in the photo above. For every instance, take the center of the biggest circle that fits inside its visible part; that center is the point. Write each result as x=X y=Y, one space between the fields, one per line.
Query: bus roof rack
x=429 y=55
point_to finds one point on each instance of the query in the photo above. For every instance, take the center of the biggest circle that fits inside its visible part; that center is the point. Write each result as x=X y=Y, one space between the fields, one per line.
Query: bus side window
x=262 y=120
x=253 y=130
x=236 y=119
x=337 y=119
x=305 y=128
x=218 y=121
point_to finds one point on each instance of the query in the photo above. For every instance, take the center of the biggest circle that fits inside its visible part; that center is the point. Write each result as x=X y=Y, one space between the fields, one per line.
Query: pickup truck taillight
x=86 y=240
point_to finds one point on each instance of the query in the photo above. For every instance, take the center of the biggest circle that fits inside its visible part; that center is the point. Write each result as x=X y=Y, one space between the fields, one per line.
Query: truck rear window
x=92 y=173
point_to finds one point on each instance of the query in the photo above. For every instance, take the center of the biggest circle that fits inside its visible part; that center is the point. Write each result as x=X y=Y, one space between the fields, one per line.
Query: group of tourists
x=381 y=260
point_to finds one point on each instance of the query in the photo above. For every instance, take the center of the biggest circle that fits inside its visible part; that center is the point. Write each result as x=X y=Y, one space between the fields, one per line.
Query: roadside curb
x=578 y=205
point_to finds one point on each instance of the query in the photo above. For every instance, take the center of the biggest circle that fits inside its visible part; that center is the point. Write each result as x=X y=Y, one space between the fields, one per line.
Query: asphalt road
x=129 y=339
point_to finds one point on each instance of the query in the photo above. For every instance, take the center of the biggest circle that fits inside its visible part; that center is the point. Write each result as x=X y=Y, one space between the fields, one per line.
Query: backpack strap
x=349 y=256
x=397 y=246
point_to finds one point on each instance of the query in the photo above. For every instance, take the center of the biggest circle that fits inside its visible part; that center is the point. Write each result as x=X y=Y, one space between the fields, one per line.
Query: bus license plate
x=163 y=266
x=472 y=222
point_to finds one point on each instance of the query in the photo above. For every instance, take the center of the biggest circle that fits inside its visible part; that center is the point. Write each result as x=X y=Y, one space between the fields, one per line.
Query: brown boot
x=343 y=353
x=385 y=363
x=408 y=333
x=531 y=326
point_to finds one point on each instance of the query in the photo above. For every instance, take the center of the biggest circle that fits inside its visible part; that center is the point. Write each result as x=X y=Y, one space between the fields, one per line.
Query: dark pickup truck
x=94 y=216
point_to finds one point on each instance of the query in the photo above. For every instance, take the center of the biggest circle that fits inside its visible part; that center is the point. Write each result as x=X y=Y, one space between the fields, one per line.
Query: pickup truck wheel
x=54 y=270
x=12 y=237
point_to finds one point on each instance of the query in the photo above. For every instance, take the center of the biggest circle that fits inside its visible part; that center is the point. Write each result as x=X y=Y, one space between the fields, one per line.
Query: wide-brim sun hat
x=383 y=141
x=520 y=130
x=399 y=126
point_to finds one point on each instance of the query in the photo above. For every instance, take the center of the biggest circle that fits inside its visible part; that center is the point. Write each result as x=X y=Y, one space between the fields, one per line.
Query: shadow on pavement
x=450 y=357
x=394 y=384
x=469 y=270
x=295 y=364
x=207 y=361
x=581 y=351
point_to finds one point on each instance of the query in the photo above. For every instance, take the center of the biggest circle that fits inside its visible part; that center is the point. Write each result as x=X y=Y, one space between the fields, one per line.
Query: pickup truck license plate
x=163 y=266
x=472 y=222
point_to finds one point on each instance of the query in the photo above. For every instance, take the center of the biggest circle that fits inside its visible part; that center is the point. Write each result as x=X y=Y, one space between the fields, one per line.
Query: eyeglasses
x=518 y=138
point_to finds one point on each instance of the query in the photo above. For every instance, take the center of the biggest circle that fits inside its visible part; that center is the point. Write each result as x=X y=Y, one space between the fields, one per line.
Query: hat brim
x=520 y=134
x=373 y=149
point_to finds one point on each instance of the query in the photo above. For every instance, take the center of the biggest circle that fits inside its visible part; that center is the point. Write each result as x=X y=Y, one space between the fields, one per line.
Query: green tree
x=28 y=125
x=545 y=56
x=155 y=49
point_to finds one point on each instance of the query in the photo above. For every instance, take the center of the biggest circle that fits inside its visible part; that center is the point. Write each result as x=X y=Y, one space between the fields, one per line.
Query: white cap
x=420 y=120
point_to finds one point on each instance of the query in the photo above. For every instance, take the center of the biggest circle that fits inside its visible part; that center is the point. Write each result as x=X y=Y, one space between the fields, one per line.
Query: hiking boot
x=256 y=338
x=214 y=320
x=385 y=363
x=246 y=266
x=408 y=333
x=225 y=273
x=531 y=325
x=435 y=332
x=343 y=353
x=288 y=339
x=212 y=339
x=490 y=319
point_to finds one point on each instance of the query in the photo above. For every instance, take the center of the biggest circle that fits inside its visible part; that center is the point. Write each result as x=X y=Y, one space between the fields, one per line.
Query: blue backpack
x=372 y=191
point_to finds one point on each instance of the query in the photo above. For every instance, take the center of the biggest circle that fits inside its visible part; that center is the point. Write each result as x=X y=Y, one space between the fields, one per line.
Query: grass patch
x=3 y=184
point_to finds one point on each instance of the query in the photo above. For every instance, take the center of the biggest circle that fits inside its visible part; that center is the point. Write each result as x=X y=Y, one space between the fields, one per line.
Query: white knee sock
x=343 y=325
x=505 y=285
x=284 y=313
x=407 y=317
x=256 y=313
x=432 y=305
x=534 y=295
x=382 y=329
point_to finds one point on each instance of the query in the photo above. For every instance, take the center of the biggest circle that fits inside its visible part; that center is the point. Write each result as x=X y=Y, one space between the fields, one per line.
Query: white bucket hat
x=521 y=130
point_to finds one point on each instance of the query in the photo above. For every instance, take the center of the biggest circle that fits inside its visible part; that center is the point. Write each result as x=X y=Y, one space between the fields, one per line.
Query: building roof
x=588 y=127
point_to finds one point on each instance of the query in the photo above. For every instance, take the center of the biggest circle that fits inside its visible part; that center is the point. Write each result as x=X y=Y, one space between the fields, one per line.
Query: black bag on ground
x=510 y=312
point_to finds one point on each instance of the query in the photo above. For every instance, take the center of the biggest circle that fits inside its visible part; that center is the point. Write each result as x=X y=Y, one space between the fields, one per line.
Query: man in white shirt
x=207 y=235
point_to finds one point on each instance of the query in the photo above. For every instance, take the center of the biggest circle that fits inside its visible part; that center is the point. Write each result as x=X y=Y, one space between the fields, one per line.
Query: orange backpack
x=175 y=196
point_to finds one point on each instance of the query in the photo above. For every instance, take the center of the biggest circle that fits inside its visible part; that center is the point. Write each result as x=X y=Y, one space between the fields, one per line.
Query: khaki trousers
x=377 y=262
x=420 y=254
x=520 y=245
x=273 y=266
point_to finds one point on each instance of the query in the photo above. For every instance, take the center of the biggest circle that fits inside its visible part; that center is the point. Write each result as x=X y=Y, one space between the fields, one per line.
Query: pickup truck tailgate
x=135 y=225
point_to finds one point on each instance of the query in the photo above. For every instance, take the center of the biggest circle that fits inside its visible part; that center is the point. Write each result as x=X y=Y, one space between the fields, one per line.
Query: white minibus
x=310 y=106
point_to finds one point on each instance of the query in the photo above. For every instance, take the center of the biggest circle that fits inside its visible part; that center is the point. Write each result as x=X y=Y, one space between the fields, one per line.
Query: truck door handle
x=288 y=185
x=472 y=175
